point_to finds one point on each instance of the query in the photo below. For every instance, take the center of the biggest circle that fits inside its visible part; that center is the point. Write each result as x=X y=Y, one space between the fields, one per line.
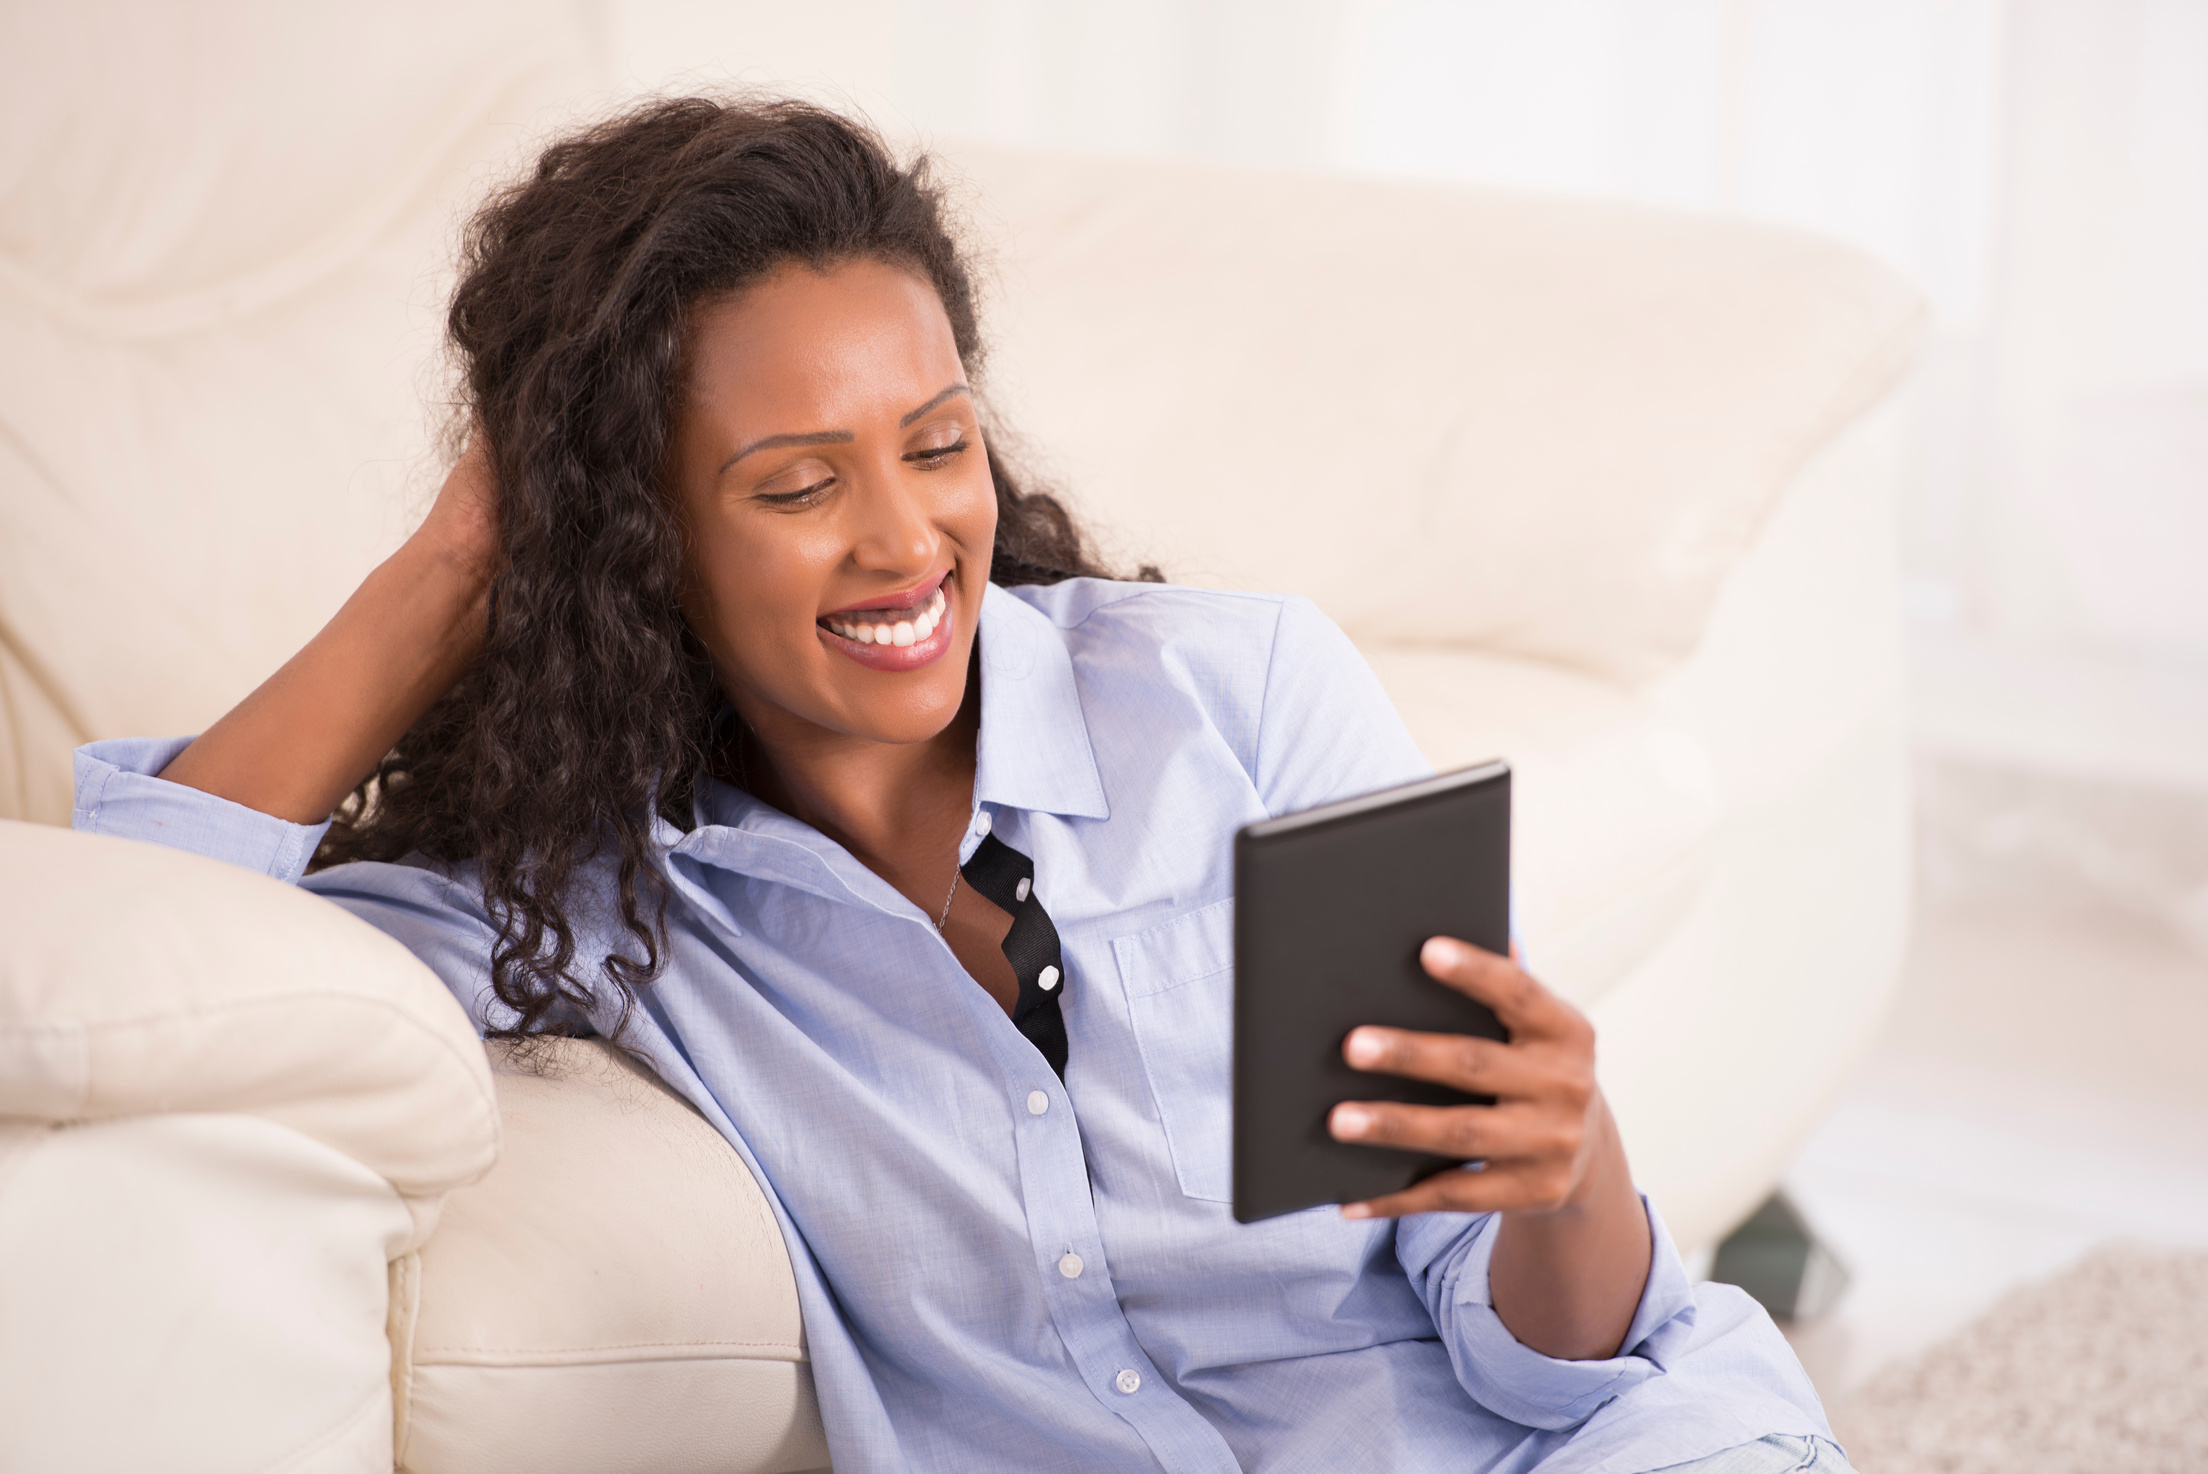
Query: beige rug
x=2101 y=1370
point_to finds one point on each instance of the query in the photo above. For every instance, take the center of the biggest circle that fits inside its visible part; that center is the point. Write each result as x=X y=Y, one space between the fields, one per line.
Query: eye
x=940 y=455
x=802 y=497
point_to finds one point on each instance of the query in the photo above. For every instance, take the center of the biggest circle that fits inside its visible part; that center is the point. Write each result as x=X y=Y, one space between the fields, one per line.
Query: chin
x=911 y=704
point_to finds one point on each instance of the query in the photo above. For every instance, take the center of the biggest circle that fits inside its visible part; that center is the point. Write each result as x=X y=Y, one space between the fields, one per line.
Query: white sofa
x=1597 y=489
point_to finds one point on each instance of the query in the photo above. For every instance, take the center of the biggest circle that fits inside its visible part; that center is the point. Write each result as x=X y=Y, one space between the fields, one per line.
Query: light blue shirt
x=991 y=1286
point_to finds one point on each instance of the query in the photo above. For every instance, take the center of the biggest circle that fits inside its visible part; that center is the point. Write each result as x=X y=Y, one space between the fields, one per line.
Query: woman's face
x=838 y=502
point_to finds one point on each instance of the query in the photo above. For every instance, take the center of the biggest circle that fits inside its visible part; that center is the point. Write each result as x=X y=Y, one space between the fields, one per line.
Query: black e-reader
x=1331 y=906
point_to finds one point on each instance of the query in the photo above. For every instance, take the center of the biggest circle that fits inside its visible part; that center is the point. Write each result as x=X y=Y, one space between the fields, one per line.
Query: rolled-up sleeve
x=119 y=794
x=1447 y=1255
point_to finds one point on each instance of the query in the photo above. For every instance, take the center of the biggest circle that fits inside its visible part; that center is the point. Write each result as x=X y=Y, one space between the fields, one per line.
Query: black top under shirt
x=1006 y=877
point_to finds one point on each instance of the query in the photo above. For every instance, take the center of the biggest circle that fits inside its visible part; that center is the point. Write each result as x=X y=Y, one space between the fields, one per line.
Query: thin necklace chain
x=742 y=777
x=947 y=895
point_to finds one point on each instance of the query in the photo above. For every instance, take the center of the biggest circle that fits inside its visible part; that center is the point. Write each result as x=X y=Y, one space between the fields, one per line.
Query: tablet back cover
x=1331 y=908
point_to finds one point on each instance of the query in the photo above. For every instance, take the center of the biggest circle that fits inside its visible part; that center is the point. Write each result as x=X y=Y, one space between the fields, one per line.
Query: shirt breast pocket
x=1179 y=979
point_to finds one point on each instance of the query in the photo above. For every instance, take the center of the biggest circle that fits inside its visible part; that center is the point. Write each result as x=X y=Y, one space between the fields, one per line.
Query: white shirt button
x=1070 y=1267
x=1128 y=1380
x=1019 y=892
x=981 y=822
x=1048 y=980
x=1037 y=1102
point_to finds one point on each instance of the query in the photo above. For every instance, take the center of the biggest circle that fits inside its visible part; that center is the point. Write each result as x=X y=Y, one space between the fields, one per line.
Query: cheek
x=977 y=516
x=755 y=592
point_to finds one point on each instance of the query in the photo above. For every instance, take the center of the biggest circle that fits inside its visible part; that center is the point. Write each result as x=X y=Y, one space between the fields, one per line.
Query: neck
x=894 y=805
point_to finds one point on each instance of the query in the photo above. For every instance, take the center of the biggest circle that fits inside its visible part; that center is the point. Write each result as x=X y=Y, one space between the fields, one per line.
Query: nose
x=893 y=531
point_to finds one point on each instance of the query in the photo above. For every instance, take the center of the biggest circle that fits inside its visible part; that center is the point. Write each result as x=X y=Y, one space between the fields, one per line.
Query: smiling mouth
x=909 y=625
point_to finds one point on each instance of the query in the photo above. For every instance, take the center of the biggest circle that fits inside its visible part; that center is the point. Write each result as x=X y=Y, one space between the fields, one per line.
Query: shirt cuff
x=118 y=794
x=1447 y=1256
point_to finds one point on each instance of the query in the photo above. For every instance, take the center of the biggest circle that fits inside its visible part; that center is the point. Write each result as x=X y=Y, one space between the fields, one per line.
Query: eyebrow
x=776 y=442
x=955 y=389
x=836 y=437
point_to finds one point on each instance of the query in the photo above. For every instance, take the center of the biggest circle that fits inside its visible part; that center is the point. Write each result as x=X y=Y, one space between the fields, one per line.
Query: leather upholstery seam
x=515 y=1358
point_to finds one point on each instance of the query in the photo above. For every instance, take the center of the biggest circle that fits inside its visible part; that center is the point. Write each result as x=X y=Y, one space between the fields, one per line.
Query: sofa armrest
x=137 y=979
x=225 y=1106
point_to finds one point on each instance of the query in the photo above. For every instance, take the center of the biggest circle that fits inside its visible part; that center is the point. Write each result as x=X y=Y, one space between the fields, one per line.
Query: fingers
x=1461 y=1061
x=1498 y=1188
x=1500 y=1133
x=1525 y=1157
x=1531 y=1144
x=1519 y=1000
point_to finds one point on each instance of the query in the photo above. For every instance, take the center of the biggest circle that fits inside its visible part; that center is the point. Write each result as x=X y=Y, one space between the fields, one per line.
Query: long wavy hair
x=588 y=714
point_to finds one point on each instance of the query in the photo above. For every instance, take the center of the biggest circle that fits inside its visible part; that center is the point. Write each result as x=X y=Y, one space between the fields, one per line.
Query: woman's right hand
x=311 y=732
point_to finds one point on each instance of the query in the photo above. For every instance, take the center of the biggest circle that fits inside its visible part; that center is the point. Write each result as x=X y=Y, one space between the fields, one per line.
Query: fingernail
x=1440 y=952
x=1363 y=1047
x=1358 y=1210
x=1352 y=1120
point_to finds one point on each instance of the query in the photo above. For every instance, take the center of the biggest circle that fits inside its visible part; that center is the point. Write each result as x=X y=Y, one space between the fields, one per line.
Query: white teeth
x=904 y=631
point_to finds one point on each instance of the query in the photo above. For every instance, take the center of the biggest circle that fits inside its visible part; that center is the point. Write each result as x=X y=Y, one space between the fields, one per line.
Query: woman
x=734 y=701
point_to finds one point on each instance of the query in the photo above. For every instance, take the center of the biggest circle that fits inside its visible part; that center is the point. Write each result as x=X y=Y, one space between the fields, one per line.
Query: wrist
x=466 y=555
x=1605 y=1175
x=448 y=565
x=1567 y=1281
x=445 y=583
x=1600 y=1178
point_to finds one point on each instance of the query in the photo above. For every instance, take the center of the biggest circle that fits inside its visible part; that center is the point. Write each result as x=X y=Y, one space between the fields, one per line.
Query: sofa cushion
x=1451 y=416
x=614 y=1294
x=1615 y=808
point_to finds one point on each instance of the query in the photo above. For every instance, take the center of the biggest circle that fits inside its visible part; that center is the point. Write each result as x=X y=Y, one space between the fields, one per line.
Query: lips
x=901 y=637
x=905 y=626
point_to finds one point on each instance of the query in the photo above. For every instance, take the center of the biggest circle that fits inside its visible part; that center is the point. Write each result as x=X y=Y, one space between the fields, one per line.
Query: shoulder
x=1276 y=678
x=1103 y=603
x=439 y=913
x=1228 y=632
x=436 y=912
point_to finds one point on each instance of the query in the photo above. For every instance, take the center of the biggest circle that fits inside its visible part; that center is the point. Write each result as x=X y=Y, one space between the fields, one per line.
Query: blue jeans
x=1777 y=1454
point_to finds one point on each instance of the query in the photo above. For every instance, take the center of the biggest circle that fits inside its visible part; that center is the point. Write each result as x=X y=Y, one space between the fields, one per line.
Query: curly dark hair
x=589 y=711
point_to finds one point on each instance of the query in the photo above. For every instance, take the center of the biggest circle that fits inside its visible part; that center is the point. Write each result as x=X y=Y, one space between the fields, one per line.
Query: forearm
x=312 y=731
x=1567 y=1281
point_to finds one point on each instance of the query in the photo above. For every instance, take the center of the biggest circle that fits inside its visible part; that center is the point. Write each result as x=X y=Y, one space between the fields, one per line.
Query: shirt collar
x=1034 y=750
x=1034 y=746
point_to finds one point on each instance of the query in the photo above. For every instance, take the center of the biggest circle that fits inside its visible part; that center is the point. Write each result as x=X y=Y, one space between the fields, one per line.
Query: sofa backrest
x=1452 y=416
x=223 y=237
